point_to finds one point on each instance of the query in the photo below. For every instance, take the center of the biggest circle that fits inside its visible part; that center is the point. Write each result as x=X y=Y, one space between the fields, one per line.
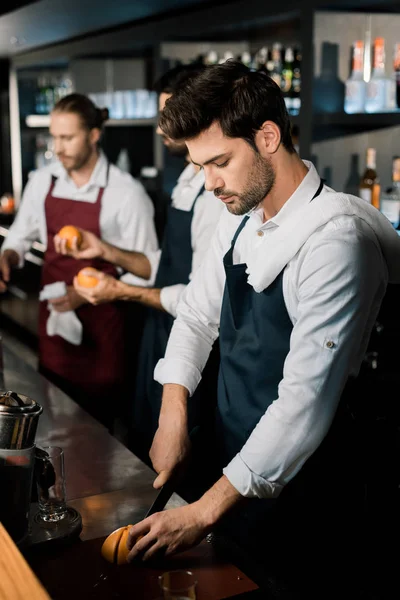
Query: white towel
x=287 y=240
x=65 y=324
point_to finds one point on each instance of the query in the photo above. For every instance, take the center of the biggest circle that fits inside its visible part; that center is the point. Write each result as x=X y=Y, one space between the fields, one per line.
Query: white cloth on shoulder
x=281 y=247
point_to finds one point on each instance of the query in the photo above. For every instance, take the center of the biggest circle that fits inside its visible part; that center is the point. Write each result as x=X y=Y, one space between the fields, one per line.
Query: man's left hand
x=71 y=301
x=107 y=289
x=167 y=532
x=178 y=529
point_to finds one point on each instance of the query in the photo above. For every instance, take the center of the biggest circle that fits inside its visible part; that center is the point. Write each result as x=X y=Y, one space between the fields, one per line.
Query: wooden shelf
x=43 y=122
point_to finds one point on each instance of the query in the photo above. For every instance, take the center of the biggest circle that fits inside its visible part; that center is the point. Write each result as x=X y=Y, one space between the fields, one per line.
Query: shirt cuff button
x=330 y=344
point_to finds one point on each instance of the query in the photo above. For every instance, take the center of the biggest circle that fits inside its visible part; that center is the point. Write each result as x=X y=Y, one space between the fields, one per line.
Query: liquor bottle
x=261 y=59
x=287 y=78
x=228 y=55
x=211 y=58
x=355 y=86
x=380 y=88
x=276 y=73
x=296 y=83
x=396 y=68
x=245 y=58
x=369 y=184
x=390 y=200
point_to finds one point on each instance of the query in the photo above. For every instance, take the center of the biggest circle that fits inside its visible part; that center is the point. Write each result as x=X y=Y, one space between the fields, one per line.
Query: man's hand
x=167 y=532
x=71 y=301
x=90 y=247
x=108 y=289
x=181 y=528
x=171 y=444
x=8 y=259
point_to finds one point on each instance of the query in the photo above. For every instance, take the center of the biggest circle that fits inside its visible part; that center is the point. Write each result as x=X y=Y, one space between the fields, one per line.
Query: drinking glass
x=178 y=585
x=51 y=484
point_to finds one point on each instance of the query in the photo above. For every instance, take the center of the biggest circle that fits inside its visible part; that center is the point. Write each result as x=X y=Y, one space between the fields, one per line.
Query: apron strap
x=228 y=258
x=199 y=193
x=319 y=190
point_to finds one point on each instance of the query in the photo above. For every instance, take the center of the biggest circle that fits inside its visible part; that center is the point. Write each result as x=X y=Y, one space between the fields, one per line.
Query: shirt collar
x=300 y=197
x=98 y=177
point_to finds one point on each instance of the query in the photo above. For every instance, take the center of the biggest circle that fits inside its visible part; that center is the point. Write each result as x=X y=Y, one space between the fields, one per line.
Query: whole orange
x=88 y=277
x=69 y=232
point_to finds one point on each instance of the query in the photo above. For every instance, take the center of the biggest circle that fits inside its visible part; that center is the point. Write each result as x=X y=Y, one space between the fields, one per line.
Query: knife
x=168 y=488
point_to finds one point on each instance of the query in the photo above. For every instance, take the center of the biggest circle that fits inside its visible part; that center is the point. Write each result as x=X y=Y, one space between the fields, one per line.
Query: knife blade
x=168 y=488
x=162 y=498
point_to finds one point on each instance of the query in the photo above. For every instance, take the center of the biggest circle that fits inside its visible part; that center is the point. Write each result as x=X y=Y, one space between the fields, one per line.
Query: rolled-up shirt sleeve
x=26 y=227
x=340 y=284
x=197 y=324
x=137 y=231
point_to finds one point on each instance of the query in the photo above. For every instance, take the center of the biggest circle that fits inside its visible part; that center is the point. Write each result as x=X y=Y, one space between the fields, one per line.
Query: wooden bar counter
x=110 y=487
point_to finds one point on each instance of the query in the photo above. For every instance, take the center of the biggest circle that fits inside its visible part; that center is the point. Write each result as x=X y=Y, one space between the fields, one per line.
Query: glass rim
x=177 y=589
x=60 y=452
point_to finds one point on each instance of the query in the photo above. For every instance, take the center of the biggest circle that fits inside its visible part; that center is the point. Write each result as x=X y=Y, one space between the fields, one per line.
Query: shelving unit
x=248 y=25
x=43 y=122
x=336 y=125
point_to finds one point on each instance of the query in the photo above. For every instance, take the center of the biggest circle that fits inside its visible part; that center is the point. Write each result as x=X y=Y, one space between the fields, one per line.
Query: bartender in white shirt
x=82 y=189
x=191 y=222
x=292 y=284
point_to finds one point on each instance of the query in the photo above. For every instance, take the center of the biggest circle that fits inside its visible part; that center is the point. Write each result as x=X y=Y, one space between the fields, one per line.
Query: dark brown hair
x=91 y=117
x=239 y=99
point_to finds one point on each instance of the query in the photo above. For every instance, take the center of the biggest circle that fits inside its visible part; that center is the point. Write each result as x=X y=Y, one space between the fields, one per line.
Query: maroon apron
x=97 y=365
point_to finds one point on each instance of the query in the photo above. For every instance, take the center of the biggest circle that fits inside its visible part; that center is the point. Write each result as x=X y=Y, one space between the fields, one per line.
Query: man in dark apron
x=191 y=221
x=292 y=290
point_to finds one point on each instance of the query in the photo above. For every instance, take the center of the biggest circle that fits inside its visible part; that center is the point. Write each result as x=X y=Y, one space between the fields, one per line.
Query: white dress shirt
x=332 y=289
x=206 y=214
x=126 y=215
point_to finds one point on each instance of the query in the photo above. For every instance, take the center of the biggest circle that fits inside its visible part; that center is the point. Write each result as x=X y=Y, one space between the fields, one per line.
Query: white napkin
x=281 y=247
x=65 y=324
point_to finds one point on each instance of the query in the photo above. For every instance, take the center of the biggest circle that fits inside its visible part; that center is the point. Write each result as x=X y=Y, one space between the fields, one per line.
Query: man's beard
x=260 y=182
x=80 y=160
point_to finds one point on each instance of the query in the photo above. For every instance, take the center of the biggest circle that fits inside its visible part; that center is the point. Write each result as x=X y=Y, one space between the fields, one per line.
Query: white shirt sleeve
x=340 y=283
x=26 y=226
x=136 y=229
x=197 y=323
x=206 y=214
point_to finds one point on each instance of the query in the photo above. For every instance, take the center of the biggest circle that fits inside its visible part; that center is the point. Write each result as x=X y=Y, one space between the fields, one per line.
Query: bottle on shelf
x=390 y=200
x=355 y=86
x=380 y=96
x=245 y=58
x=261 y=59
x=296 y=83
x=276 y=72
x=369 y=185
x=396 y=68
x=287 y=78
x=211 y=58
x=228 y=55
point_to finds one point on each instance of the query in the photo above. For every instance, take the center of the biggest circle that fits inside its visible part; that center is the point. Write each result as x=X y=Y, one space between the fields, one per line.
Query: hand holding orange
x=88 y=277
x=68 y=233
x=114 y=548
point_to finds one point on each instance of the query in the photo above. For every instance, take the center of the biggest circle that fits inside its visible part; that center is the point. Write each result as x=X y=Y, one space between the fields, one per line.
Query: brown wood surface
x=17 y=581
x=87 y=575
